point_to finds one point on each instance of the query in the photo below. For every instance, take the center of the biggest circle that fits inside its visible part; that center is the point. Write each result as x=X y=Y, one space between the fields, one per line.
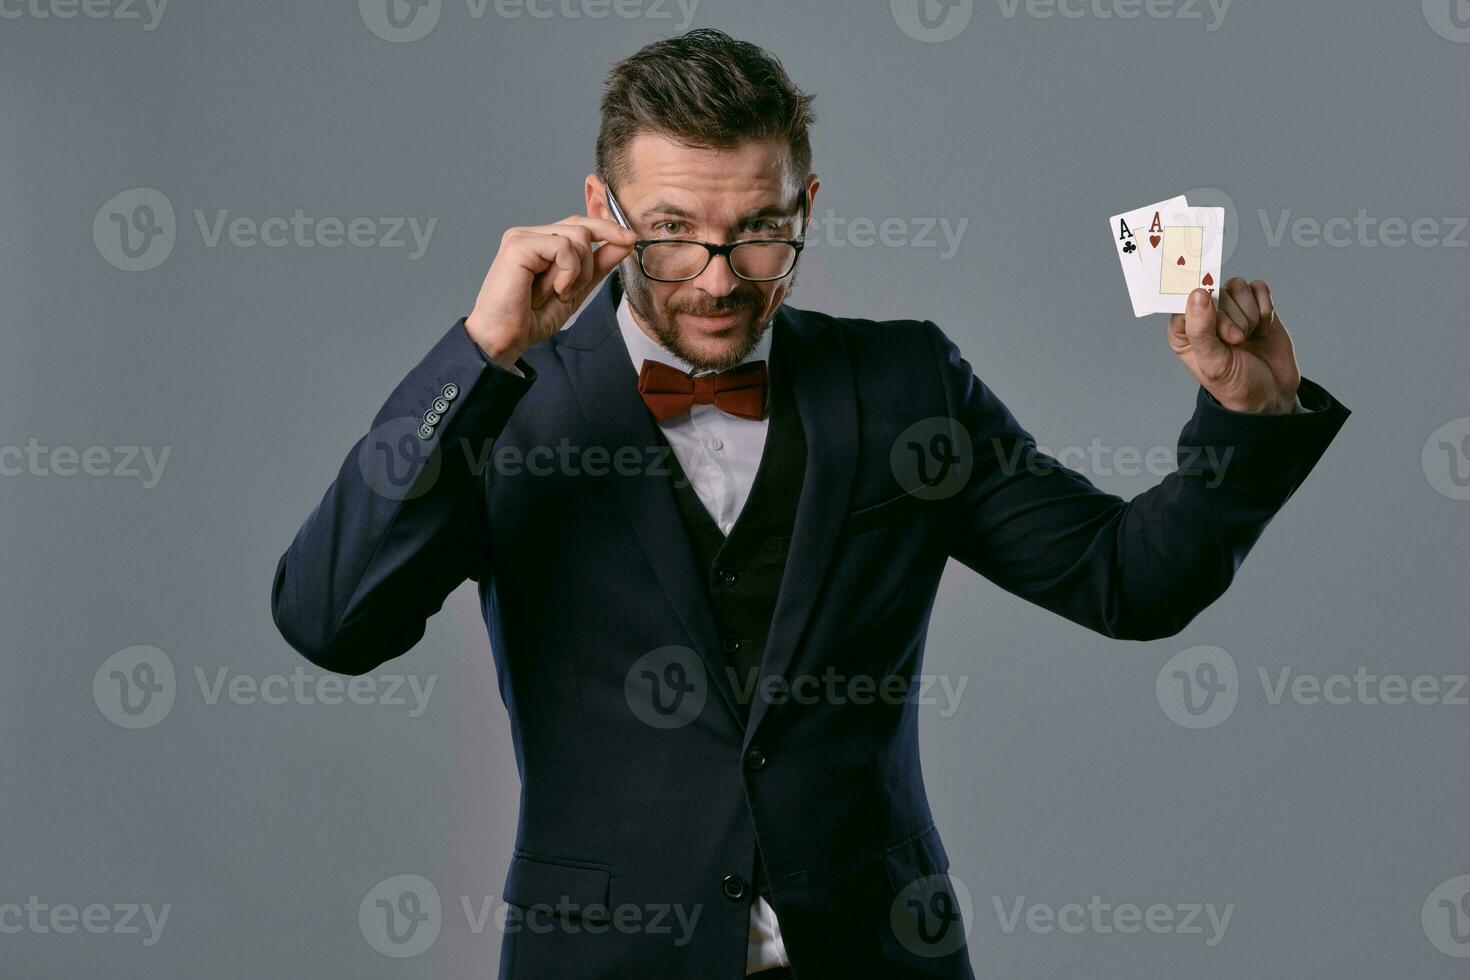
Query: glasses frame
x=710 y=249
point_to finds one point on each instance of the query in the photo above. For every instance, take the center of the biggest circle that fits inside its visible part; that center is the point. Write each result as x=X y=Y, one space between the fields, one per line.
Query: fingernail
x=1199 y=300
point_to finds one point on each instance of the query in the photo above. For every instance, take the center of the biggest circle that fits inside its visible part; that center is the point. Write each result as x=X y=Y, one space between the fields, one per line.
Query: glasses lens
x=674 y=260
x=762 y=260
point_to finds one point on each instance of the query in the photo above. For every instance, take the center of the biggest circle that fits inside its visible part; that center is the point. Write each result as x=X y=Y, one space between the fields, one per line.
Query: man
x=698 y=504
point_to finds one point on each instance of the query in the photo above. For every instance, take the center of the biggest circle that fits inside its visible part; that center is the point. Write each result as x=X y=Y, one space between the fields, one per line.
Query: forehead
x=750 y=175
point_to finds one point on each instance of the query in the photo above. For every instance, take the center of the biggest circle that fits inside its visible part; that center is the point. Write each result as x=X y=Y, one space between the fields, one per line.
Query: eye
x=669 y=228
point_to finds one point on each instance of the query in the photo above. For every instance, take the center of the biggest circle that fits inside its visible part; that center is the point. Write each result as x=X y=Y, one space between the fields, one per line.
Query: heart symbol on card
x=1208 y=280
x=1181 y=260
x=1154 y=240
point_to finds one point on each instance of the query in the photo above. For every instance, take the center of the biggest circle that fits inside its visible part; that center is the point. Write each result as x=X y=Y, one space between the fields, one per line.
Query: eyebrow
x=668 y=209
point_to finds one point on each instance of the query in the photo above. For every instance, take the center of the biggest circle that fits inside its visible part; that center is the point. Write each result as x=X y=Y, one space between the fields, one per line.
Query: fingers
x=1230 y=320
x=600 y=229
x=606 y=258
x=1246 y=307
x=580 y=232
x=554 y=262
x=1200 y=324
x=1264 y=302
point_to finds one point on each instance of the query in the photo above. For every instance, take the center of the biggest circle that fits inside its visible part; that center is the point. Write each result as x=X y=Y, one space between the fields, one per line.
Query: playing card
x=1137 y=239
x=1191 y=241
x=1166 y=251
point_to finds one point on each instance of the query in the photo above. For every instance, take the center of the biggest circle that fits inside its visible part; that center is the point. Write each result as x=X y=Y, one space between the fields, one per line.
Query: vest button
x=728 y=576
x=734 y=887
x=731 y=644
x=755 y=758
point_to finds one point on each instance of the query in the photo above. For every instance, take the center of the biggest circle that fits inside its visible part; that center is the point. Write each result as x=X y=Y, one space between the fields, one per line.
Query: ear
x=596 y=193
x=812 y=183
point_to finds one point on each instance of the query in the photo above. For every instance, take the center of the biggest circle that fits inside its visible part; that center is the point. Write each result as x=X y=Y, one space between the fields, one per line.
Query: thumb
x=1211 y=355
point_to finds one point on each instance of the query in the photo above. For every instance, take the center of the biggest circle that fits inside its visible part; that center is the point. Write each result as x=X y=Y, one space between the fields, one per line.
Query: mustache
x=730 y=304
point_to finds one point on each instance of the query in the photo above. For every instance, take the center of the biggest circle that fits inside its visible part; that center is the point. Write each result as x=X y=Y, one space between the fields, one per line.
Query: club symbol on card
x=1130 y=248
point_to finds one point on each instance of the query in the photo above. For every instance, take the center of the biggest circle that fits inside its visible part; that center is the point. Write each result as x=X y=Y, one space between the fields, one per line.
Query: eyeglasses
x=680 y=259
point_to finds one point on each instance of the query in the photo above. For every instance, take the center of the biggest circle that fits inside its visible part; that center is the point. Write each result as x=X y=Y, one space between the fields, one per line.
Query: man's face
x=716 y=319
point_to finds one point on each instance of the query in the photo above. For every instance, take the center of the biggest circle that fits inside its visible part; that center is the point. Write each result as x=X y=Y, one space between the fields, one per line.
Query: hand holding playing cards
x=1241 y=353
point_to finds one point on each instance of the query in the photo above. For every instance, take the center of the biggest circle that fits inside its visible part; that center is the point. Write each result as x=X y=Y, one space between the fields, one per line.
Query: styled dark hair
x=702 y=89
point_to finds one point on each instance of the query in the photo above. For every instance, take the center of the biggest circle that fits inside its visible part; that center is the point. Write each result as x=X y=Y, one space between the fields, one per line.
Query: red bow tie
x=667 y=391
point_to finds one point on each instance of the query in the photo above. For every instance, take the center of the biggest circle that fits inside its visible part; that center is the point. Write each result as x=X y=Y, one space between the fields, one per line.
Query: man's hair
x=702 y=89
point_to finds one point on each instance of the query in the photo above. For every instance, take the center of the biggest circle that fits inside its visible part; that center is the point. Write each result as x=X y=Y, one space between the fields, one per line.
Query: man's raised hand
x=539 y=278
x=1241 y=353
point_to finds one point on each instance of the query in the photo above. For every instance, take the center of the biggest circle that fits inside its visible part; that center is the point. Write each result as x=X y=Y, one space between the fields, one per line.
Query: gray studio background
x=1336 y=833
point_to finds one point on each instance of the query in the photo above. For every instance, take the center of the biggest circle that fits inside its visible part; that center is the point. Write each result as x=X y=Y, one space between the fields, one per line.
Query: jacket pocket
x=880 y=514
x=575 y=889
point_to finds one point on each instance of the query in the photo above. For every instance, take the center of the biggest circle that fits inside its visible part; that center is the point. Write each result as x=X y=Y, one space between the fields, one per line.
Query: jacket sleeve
x=1139 y=569
x=403 y=523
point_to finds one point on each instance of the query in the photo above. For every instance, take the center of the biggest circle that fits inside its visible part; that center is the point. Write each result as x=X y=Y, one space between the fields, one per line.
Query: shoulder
x=914 y=347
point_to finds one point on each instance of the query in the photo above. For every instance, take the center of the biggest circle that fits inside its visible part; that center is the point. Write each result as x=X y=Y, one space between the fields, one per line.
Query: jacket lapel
x=827 y=403
x=606 y=389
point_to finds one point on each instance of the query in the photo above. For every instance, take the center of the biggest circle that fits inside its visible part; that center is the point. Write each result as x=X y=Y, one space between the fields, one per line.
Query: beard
x=664 y=325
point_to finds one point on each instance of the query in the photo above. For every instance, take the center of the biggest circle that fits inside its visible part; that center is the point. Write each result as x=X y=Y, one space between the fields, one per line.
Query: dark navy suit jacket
x=585 y=571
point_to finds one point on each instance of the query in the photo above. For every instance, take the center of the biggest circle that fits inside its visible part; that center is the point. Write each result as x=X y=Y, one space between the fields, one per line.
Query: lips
x=721 y=320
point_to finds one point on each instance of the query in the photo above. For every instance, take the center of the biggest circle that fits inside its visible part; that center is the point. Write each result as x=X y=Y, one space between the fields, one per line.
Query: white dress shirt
x=719 y=453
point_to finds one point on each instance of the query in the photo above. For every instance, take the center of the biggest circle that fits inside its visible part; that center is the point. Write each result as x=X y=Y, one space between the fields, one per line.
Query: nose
x=718 y=279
